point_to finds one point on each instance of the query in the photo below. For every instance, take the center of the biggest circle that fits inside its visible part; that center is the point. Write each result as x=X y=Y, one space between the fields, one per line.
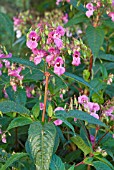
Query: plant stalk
x=47 y=74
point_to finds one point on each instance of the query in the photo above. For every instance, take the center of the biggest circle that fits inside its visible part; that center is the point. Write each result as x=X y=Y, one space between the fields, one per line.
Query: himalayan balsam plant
x=57 y=89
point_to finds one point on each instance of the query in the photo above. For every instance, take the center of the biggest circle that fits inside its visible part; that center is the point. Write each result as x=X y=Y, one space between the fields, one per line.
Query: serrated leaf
x=50 y=110
x=100 y=165
x=81 y=116
x=95 y=38
x=78 y=18
x=19 y=121
x=19 y=96
x=41 y=142
x=10 y=106
x=81 y=144
x=15 y=157
x=56 y=163
x=56 y=144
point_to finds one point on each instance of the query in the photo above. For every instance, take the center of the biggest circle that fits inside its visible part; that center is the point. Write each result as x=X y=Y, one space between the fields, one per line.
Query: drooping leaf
x=19 y=121
x=41 y=142
x=95 y=38
x=15 y=157
x=100 y=165
x=56 y=163
x=79 y=79
x=81 y=116
x=65 y=121
x=10 y=106
x=78 y=18
x=108 y=57
x=81 y=144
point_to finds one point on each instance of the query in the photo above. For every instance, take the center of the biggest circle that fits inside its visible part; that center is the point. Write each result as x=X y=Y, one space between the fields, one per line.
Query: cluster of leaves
x=33 y=144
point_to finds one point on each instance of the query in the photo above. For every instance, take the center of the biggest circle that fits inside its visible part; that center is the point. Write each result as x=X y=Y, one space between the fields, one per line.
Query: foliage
x=56 y=85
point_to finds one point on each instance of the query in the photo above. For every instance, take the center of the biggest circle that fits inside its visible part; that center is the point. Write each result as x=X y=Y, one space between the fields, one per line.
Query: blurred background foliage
x=12 y=7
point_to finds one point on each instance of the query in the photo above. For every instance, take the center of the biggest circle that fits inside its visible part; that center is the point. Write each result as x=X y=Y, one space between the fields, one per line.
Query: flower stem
x=47 y=74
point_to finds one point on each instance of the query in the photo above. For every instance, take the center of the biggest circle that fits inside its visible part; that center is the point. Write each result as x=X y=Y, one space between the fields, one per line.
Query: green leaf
x=88 y=160
x=75 y=4
x=72 y=156
x=80 y=115
x=108 y=23
x=36 y=110
x=105 y=161
x=79 y=80
x=12 y=159
x=95 y=38
x=100 y=165
x=7 y=27
x=57 y=141
x=50 y=110
x=41 y=142
x=19 y=96
x=19 y=121
x=65 y=121
x=56 y=163
x=10 y=106
x=78 y=18
x=72 y=167
x=81 y=144
x=108 y=57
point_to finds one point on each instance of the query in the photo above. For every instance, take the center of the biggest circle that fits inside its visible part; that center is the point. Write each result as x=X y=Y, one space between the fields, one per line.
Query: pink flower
x=58 y=42
x=89 y=13
x=112 y=3
x=75 y=119
x=28 y=91
x=92 y=139
x=58 y=1
x=17 y=21
x=60 y=30
x=82 y=99
x=65 y=18
x=76 y=61
x=89 y=6
x=15 y=73
x=61 y=96
x=54 y=51
x=68 y=1
x=76 y=58
x=58 y=69
x=37 y=60
x=4 y=138
x=41 y=106
x=5 y=56
x=33 y=38
x=7 y=63
x=14 y=87
x=94 y=115
x=111 y=15
x=109 y=111
x=58 y=122
x=58 y=108
x=49 y=59
x=93 y=107
x=0 y=72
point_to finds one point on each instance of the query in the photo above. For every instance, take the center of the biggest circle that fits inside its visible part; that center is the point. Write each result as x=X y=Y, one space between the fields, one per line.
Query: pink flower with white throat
x=33 y=39
x=58 y=69
x=82 y=99
x=90 y=10
x=76 y=58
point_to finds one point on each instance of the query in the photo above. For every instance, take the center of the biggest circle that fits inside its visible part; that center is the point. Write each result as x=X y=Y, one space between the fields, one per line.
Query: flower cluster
x=90 y=107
